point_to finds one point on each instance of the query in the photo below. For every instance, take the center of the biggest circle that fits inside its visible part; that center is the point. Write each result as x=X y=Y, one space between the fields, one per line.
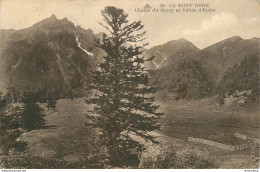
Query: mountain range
x=57 y=55
x=52 y=54
x=216 y=69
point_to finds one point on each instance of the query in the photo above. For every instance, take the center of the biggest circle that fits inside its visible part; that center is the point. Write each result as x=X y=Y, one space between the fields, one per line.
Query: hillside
x=221 y=56
x=223 y=68
x=56 y=55
x=47 y=55
x=187 y=72
x=177 y=66
x=240 y=84
x=170 y=53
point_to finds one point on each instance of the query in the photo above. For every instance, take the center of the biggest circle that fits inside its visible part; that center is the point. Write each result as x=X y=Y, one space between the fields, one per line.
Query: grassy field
x=202 y=118
x=68 y=138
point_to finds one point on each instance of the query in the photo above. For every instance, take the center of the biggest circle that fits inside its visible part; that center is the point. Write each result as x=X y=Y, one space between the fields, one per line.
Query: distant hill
x=176 y=65
x=221 y=56
x=170 y=53
x=241 y=80
x=56 y=55
x=187 y=72
x=47 y=55
x=221 y=68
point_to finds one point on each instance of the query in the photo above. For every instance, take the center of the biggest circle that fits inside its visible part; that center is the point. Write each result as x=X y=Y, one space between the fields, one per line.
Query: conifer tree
x=123 y=99
x=32 y=114
x=10 y=125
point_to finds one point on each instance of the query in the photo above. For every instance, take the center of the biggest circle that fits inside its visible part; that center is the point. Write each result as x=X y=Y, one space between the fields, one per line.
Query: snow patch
x=79 y=45
x=19 y=62
x=62 y=70
x=164 y=59
x=155 y=64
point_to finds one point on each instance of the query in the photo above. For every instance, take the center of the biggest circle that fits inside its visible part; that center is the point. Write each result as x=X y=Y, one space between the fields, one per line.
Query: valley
x=210 y=93
x=67 y=136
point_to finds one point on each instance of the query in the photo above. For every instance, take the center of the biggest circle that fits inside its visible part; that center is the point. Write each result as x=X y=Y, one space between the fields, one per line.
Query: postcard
x=137 y=84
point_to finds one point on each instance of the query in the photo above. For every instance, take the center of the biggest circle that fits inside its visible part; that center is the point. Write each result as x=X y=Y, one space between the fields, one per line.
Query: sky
x=230 y=18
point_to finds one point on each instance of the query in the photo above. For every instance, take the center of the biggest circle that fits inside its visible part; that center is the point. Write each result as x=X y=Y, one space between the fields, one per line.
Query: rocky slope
x=223 y=68
x=240 y=84
x=47 y=55
x=56 y=55
x=221 y=56
x=170 y=53
x=175 y=65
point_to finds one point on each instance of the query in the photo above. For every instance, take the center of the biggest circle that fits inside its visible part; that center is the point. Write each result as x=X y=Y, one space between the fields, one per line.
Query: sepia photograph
x=129 y=84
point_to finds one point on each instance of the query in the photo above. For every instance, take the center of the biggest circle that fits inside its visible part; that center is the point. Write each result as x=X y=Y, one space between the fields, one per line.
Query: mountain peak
x=183 y=40
x=65 y=19
x=53 y=17
x=232 y=39
x=235 y=38
x=47 y=21
x=255 y=38
x=180 y=41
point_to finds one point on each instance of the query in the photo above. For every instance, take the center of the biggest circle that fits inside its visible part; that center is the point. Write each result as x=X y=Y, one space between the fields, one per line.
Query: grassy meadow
x=67 y=137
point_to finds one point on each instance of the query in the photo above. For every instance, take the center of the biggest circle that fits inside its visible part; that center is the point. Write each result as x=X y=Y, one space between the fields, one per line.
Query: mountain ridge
x=45 y=55
x=67 y=53
x=211 y=64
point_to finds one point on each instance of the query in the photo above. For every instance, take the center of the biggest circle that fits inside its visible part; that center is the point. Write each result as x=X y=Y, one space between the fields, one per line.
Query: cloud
x=222 y=20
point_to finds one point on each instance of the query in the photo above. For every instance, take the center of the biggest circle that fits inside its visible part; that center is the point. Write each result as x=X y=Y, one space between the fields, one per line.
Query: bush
x=10 y=125
x=162 y=158
x=32 y=114
x=28 y=161
x=188 y=158
x=191 y=158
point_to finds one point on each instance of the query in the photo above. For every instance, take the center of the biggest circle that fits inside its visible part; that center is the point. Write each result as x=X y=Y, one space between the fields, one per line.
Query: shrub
x=27 y=161
x=32 y=114
x=188 y=158
x=162 y=158
x=93 y=160
x=191 y=158
x=10 y=125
